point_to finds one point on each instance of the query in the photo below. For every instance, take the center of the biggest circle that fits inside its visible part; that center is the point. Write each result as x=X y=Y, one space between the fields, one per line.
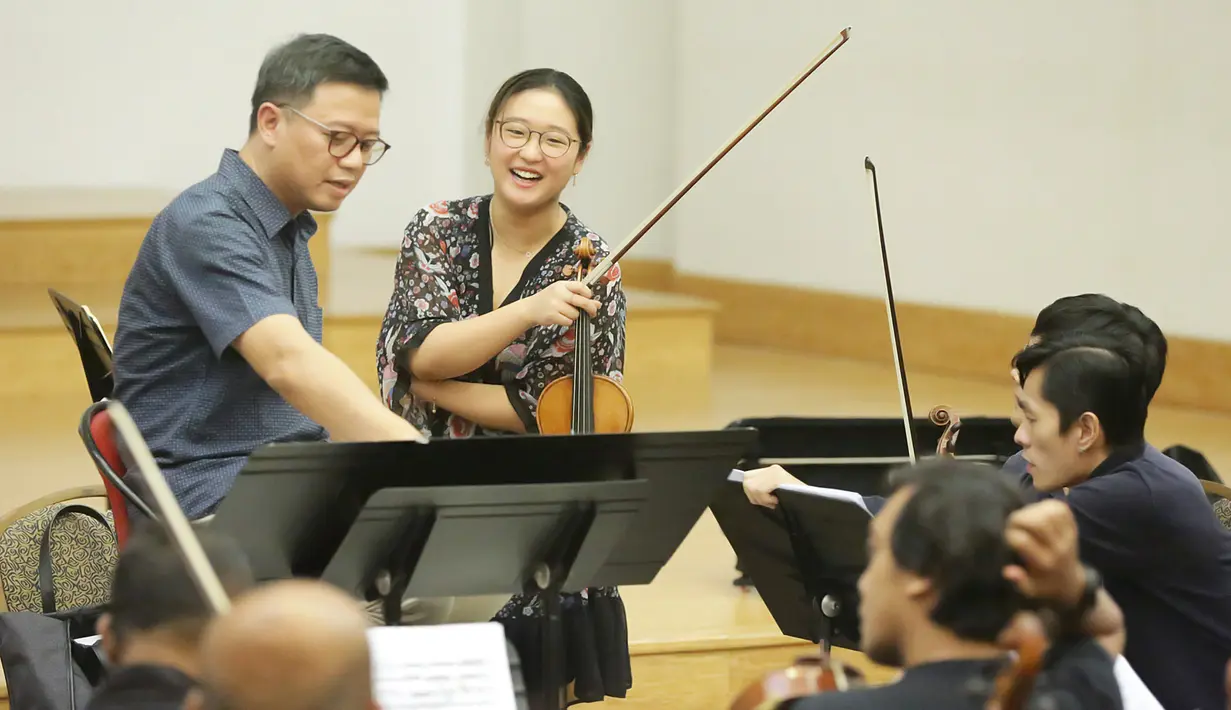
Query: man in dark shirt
x=218 y=345
x=156 y=619
x=1094 y=314
x=952 y=557
x=1143 y=518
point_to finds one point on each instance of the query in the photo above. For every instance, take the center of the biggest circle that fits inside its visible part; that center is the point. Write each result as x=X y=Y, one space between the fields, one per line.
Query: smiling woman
x=481 y=320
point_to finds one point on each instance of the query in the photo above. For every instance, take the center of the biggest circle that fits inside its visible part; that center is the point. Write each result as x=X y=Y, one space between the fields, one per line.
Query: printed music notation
x=445 y=667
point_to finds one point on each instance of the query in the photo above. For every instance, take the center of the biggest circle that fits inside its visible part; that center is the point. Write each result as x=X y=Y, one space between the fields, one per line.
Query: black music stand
x=524 y=513
x=855 y=454
x=804 y=558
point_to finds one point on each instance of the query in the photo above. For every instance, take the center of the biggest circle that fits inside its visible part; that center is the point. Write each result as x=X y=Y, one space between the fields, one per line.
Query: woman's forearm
x=456 y=348
x=485 y=405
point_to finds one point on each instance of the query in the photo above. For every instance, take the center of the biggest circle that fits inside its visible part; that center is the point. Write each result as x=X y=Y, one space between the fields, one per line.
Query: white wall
x=147 y=93
x=1025 y=150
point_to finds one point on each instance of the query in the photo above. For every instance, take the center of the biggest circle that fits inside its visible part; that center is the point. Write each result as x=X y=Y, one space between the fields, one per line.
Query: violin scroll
x=585 y=253
x=943 y=416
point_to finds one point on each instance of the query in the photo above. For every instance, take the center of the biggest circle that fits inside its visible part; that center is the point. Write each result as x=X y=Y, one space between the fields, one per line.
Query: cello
x=585 y=403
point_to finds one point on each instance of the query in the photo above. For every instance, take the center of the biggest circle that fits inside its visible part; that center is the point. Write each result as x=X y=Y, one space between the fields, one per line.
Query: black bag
x=43 y=667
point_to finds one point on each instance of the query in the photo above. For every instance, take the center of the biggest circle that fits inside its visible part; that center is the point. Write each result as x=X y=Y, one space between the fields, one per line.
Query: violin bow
x=601 y=269
x=903 y=390
x=170 y=513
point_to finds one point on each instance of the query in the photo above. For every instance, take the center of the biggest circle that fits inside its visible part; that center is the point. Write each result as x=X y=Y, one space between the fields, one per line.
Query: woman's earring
x=574 y=179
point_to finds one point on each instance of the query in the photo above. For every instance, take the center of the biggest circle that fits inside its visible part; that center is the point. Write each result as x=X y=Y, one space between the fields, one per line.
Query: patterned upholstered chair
x=1221 y=493
x=83 y=552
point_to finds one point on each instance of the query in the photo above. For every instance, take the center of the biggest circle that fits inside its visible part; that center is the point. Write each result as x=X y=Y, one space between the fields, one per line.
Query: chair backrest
x=83 y=553
x=92 y=344
x=99 y=438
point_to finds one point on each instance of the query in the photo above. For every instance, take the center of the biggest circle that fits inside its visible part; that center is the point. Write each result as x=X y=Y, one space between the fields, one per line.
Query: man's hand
x=760 y=484
x=1044 y=535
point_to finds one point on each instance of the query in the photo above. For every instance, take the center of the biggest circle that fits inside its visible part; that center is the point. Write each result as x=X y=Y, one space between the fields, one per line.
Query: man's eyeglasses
x=341 y=143
x=516 y=134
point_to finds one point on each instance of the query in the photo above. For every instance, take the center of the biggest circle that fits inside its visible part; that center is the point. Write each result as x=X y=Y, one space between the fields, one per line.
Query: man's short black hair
x=952 y=531
x=1100 y=315
x=1091 y=373
x=153 y=589
x=292 y=71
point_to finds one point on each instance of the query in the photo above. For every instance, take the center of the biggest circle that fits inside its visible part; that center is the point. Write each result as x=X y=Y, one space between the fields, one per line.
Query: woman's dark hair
x=952 y=532
x=563 y=84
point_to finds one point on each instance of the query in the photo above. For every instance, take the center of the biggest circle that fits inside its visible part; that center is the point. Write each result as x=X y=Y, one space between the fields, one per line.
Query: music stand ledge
x=490 y=515
x=804 y=558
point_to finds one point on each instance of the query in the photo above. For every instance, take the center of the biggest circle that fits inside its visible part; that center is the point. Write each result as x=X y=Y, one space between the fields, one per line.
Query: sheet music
x=448 y=666
x=737 y=476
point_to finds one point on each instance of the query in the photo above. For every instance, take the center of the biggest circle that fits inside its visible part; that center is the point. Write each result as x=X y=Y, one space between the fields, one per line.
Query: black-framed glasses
x=553 y=144
x=341 y=143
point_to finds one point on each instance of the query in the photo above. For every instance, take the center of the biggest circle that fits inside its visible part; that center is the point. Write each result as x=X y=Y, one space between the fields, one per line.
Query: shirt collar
x=1119 y=456
x=270 y=212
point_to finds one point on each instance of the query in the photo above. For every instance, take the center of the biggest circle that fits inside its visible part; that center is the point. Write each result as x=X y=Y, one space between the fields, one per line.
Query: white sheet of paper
x=441 y=667
x=1133 y=692
x=737 y=476
x=834 y=493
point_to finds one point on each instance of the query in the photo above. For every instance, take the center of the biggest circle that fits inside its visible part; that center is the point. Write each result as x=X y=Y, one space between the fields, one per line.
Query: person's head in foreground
x=936 y=559
x=1095 y=314
x=315 y=122
x=1082 y=397
x=953 y=558
x=156 y=615
x=287 y=645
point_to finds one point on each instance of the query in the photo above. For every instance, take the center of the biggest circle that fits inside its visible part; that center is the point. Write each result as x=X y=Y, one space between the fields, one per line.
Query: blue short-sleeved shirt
x=222 y=256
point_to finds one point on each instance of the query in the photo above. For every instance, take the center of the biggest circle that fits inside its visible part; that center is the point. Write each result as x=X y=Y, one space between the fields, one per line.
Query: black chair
x=92 y=344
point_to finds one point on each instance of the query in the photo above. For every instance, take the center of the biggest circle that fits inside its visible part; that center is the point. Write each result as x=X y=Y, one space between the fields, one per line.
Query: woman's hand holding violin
x=558 y=304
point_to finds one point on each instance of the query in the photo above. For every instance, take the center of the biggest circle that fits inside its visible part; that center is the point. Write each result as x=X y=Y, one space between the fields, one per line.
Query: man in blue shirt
x=1143 y=518
x=218 y=346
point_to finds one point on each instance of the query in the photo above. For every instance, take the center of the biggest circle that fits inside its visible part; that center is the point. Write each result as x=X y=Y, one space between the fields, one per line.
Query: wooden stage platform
x=696 y=639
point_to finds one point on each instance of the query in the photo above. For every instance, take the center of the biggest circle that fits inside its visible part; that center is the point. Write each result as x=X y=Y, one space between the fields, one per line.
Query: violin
x=583 y=402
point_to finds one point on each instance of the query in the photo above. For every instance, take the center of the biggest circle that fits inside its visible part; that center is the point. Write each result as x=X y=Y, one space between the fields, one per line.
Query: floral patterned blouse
x=443 y=274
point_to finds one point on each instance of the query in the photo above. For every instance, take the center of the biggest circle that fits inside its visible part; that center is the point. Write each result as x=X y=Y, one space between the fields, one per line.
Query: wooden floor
x=692 y=610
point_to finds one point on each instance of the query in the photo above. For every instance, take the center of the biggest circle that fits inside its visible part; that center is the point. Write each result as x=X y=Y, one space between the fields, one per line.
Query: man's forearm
x=320 y=385
x=456 y=348
x=486 y=405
